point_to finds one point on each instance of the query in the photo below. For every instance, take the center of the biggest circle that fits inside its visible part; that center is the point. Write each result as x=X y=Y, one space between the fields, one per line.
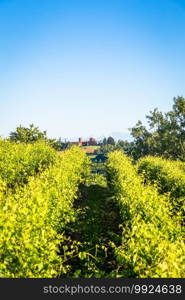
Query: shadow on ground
x=96 y=230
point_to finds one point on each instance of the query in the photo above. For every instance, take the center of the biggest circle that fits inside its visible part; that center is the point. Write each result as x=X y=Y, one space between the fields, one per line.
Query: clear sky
x=92 y=67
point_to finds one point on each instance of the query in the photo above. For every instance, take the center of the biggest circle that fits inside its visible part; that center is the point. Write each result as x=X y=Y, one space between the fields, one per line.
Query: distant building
x=91 y=142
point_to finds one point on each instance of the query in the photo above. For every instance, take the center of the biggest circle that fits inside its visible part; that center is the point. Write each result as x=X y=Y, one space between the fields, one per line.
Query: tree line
x=164 y=135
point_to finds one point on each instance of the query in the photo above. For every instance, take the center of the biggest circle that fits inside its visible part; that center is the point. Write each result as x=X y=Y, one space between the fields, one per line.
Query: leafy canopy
x=33 y=134
x=165 y=135
x=29 y=134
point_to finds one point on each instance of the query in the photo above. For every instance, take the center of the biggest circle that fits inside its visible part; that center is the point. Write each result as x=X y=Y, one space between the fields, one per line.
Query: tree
x=27 y=135
x=125 y=146
x=110 y=141
x=165 y=135
x=32 y=134
x=56 y=144
x=104 y=141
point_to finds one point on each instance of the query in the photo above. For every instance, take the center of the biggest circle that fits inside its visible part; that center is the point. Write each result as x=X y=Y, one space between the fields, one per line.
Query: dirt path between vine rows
x=96 y=229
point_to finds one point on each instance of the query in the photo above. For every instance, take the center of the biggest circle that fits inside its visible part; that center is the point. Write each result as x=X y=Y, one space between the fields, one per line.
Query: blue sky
x=82 y=68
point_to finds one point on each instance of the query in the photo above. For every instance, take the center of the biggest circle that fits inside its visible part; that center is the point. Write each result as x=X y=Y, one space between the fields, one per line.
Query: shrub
x=152 y=243
x=19 y=161
x=169 y=178
x=33 y=219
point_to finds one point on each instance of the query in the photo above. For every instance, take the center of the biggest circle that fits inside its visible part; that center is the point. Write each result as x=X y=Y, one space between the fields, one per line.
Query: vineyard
x=58 y=218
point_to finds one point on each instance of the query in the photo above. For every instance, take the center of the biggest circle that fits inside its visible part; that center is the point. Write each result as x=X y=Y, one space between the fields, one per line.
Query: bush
x=33 y=219
x=152 y=243
x=19 y=161
x=169 y=178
